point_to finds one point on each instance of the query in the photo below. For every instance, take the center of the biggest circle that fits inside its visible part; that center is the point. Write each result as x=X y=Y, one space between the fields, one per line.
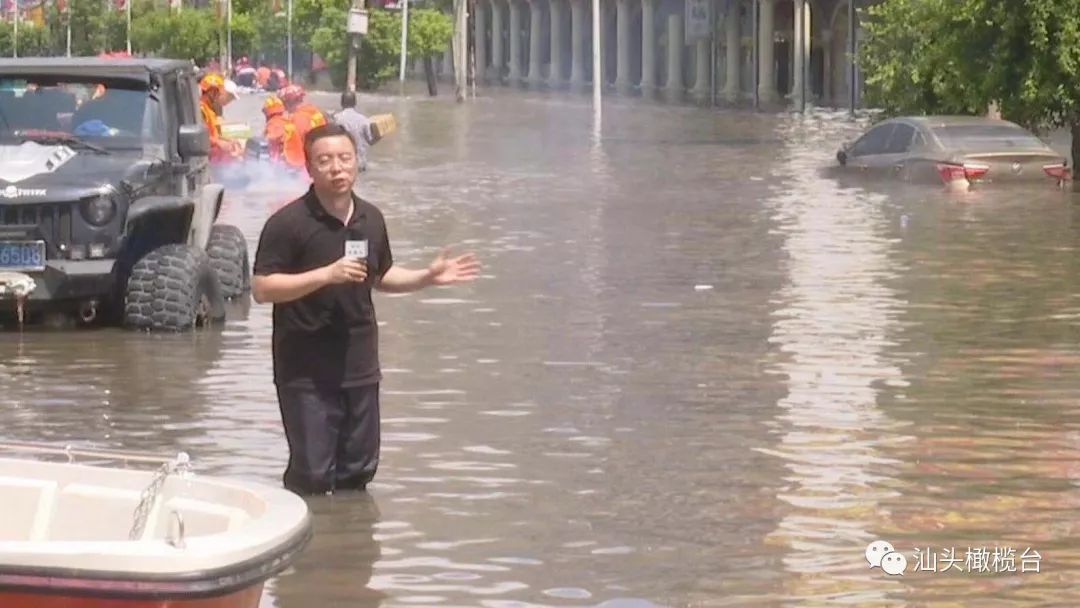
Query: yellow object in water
x=236 y=131
x=382 y=125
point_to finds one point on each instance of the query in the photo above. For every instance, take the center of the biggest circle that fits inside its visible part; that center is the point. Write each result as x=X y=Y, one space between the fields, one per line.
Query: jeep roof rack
x=137 y=68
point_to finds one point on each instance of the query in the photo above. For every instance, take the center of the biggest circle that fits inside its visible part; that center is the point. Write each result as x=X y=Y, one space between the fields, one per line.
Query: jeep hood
x=30 y=170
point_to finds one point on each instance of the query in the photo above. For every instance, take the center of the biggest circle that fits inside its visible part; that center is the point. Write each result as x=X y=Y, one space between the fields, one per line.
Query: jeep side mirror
x=193 y=140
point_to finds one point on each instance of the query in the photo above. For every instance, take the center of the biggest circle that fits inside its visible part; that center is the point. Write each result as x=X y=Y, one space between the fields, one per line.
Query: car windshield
x=986 y=137
x=100 y=115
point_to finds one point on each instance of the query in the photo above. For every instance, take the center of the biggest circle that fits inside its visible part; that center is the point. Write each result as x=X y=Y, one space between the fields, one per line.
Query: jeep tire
x=173 y=288
x=228 y=253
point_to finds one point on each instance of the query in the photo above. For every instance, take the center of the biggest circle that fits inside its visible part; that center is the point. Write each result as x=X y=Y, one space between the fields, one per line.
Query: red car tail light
x=971 y=172
x=1058 y=171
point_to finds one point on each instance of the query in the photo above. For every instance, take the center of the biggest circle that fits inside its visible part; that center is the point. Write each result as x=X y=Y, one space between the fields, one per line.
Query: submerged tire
x=173 y=288
x=228 y=253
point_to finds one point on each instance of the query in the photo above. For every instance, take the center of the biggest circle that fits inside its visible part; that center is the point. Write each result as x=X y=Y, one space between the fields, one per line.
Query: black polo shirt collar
x=317 y=211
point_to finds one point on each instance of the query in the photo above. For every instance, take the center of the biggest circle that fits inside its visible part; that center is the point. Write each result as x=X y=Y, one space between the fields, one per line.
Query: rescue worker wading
x=304 y=115
x=211 y=104
x=285 y=145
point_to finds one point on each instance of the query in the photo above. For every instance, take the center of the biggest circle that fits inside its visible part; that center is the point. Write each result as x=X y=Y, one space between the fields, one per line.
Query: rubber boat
x=90 y=536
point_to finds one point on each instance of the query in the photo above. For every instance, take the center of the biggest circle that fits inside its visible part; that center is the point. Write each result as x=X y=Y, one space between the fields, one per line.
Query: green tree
x=270 y=35
x=379 y=49
x=187 y=34
x=429 y=34
x=958 y=56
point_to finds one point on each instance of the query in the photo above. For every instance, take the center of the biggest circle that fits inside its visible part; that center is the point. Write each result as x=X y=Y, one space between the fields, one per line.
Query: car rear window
x=986 y=136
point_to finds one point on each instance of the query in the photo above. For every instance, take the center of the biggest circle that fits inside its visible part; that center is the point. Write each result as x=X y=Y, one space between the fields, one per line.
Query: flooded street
x=700 y=369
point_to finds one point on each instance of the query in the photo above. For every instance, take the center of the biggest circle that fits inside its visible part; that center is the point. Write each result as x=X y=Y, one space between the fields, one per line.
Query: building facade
x=775 y=52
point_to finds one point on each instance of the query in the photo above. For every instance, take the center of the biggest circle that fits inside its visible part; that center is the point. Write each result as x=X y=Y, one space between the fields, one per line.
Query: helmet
x=273 y=106
x=212 y=81
x=292 y=92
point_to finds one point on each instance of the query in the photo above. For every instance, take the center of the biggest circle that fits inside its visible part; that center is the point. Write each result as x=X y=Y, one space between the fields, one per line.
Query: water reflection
x=834 y=322
x=338 y=564
x=699 y=370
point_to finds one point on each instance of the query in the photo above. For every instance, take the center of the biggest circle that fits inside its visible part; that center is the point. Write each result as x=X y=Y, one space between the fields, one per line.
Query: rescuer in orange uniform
x=305 y=116
x=285 y=144
x=212 y=87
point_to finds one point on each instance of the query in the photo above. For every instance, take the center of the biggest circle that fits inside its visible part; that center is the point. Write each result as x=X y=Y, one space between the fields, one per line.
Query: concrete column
x=798 y=66
x=648 y=46
x=480 y=36
x=827 y=68
x=555 y=77
x=497 y=55
x=733 y=84
x=674 y=86
x=515 y=41
x=536 y=22
x=622 y=42
x=577 y=43
x=701 y=71
x=766 y=55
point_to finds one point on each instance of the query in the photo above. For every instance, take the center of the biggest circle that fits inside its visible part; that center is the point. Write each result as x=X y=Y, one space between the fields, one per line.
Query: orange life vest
x=276 y=127
x=306 y=117
x=292 y=146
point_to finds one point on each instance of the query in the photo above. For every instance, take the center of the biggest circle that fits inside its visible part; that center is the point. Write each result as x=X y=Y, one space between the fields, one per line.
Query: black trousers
x=333 y=437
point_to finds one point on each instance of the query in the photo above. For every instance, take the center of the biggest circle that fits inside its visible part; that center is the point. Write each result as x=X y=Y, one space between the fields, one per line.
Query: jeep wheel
x=173 y=288
x=228 y=253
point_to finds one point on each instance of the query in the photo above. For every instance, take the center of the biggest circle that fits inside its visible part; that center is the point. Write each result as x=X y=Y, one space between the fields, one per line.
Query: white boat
x=84 y=536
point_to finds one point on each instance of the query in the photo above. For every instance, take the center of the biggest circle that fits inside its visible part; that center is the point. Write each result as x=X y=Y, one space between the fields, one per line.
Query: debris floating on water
x=702 y=287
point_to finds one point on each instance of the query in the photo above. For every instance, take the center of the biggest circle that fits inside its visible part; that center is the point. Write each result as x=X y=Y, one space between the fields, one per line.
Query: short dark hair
x=330 y=129
x=348 y=99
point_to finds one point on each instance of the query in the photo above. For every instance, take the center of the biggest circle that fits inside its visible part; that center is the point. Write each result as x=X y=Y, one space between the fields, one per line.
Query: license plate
x=22 y=255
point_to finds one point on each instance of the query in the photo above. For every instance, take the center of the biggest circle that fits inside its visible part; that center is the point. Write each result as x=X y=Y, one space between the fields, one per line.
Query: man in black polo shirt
x=318 y=259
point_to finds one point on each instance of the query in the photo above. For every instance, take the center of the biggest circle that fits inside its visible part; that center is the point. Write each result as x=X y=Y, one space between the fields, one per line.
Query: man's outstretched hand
x=446 y=270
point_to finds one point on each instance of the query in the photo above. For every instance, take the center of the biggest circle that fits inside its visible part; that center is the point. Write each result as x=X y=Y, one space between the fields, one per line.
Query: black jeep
x=107 y=210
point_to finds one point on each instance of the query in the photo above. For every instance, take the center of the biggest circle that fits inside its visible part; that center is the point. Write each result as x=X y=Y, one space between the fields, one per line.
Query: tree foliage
x=958 y=56
x=258 y=31
x=380 y=49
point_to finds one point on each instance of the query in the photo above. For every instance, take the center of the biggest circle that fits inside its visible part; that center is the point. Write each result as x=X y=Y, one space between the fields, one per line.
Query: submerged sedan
x=957 y=150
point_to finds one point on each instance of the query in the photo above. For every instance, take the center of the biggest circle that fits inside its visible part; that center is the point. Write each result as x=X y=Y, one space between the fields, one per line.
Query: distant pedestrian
x=318 y=260
x=358 y=125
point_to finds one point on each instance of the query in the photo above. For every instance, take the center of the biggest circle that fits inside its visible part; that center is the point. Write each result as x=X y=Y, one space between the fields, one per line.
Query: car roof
x=136 y=68
x=956 y=121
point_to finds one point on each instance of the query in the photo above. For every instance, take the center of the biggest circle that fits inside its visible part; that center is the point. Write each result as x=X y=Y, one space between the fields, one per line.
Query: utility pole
x=67 y=10
x=15 y=44
x=597 y=69
x=288 y=38
x=755 y=8
x=459 y=47
x=851 y=52
x=356 y=27
x=228 y=35
x=404 y=53
x=127 y=9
